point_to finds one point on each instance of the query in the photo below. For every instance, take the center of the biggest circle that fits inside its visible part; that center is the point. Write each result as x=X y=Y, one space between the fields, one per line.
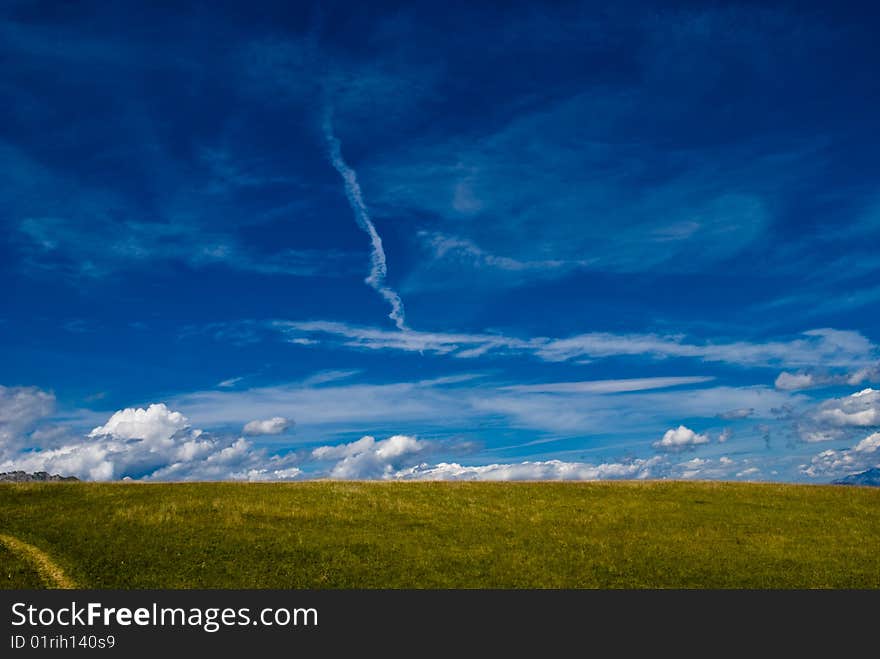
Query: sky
x=439 y=241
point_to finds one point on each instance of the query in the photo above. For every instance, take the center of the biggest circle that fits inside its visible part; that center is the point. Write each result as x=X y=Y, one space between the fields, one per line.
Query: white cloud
x=274 y=426
x=809 y=379
x=378 y=267
x=721 y=468
x=547 y=470
x=680 y=439
x=152 y=443
x=607 y=386
x=794 y=381
x=408 y=340
x=20 y=409
x=155 y=424
x=416 y=405
x=831 y=463
x=860 y=409
x=738 y=413
x=818 y=347
x=749 y=472
x=869 y=444
x=231 y=382
x=812 y=434
x=837 y=418
x=657 y=467
x=693 y=468
x=724 y=435
x=463 y=250
x=368 y=458
x=862 y=375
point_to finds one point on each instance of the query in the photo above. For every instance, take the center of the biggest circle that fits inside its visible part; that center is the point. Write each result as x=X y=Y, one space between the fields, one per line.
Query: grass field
x=444 y=535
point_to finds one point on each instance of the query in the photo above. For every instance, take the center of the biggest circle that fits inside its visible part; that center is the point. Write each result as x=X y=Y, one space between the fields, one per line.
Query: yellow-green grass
x=446 y=535
x=17 y=572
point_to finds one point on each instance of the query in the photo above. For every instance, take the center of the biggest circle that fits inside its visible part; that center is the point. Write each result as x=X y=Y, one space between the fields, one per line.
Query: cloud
x=794 y=381
x=378 y=265
x=460 y=251
x=724 y=435
x=819 y=346
x=607 y=386
x=154 y=425
x=231 y=382
x=460 y=404
x=811 y=379
x=523 y=471
x=836 y=418
x=158 y=443
x=861 y=409
x=274 y=426
x=20 y=409
x=827 y=347
x=367 y=458
x=833 y=463
x=680 y=439
x=461 y=344
x=152 y=443
x=738 y=413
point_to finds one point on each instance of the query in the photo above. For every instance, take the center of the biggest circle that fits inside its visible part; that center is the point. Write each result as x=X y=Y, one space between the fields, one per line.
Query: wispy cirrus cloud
x=636 y=407
x=378 y=261
x=458 y=251
x=827 y=347
x=607 y=386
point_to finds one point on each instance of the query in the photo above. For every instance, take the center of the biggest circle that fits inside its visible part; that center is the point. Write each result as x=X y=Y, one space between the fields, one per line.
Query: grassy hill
x=444 y=535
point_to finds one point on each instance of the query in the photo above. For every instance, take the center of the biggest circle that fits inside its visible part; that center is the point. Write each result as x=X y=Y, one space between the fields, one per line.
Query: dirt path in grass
x=52 y=575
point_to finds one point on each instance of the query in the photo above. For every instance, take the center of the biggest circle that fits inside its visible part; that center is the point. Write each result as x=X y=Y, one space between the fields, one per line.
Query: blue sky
x=410 y=240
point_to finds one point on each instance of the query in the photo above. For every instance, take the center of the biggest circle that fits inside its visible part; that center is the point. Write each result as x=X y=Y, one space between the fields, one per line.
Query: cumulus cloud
x=860 y=409
x=154 y=424
x=839 y=418
x=748 y=473
x=367 y=458
x=723 y=468
x=794 y=381
x=546 y=470
x=680 y=439
x=274 y=426
x=811 y=379
x=152 y=443
x=832 y=463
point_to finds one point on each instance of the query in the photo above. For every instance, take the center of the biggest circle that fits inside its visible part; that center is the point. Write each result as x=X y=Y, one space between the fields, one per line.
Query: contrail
x=378 y=268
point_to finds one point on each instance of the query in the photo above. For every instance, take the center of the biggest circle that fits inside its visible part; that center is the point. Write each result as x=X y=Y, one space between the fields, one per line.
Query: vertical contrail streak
x=378 y=268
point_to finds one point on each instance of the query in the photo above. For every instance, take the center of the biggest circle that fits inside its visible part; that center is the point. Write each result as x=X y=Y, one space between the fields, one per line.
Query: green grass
x=448 y=535
x=16 y=572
